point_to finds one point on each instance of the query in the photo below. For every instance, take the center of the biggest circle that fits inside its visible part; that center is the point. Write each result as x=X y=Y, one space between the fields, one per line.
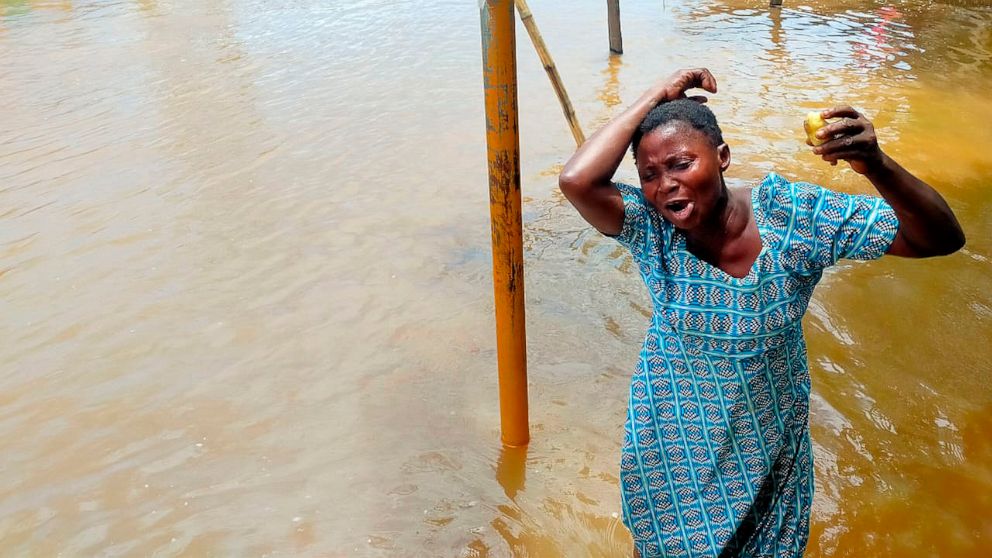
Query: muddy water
x=245 y=295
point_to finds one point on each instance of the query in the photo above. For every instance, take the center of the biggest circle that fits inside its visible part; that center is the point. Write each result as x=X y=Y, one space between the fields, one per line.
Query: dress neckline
x=712 y=270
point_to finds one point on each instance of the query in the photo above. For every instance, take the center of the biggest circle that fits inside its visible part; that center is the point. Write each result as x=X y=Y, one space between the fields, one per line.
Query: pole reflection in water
x=511 y=470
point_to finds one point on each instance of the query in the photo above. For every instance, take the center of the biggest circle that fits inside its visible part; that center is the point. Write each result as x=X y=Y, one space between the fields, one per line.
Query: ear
x=723 y=151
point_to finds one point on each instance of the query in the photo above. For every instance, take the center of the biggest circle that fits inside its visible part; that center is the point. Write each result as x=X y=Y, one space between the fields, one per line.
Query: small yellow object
x=813 y=123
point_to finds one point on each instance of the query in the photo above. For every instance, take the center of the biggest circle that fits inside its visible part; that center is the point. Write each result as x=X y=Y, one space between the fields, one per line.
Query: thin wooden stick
x=549 y=66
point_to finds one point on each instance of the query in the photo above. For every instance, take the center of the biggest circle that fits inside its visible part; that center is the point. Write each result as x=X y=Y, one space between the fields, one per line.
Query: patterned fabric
x=716 y=459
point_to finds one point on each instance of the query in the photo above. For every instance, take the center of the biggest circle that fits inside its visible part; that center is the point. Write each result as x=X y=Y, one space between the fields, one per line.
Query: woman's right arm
x=585 y=180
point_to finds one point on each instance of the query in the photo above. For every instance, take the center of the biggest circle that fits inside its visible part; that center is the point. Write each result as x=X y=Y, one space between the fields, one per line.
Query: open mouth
x=679 y=209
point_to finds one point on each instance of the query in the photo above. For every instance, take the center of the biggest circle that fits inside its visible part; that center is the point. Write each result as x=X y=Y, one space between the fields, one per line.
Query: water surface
x=246 y=295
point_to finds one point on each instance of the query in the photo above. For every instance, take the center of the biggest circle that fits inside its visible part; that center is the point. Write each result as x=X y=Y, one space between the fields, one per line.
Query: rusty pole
x=499 y=72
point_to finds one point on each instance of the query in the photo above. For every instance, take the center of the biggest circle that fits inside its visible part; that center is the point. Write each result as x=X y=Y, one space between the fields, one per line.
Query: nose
x=668 y=186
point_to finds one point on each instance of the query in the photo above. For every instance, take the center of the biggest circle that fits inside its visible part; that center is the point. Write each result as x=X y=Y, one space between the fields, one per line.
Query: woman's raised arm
x=585 y=180
x=927 y=226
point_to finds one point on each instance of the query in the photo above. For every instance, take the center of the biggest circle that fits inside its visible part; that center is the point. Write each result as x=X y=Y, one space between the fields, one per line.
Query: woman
x=716 y=459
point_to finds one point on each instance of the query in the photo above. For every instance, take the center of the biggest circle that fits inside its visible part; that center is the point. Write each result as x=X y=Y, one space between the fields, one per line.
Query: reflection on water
x=245 y=276
x=511 y=470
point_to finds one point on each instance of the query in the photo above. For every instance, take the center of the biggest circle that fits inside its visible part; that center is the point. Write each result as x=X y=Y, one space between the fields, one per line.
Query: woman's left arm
x=927 y=226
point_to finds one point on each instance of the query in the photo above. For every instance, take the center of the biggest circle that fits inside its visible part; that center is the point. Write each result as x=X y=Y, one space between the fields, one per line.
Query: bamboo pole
x=549 y=66
x=613 y=19
x=499 y=72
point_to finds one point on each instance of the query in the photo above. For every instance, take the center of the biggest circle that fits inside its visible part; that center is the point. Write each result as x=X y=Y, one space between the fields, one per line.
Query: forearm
x=926 y=223
x=595 y=163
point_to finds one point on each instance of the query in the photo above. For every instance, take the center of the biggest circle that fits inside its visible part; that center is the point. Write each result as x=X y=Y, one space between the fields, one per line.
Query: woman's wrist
x=647 y=101
x=880 y=167
x=656 y=94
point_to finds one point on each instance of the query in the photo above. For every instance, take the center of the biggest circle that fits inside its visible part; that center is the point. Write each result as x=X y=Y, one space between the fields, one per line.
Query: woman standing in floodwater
x=716 y=458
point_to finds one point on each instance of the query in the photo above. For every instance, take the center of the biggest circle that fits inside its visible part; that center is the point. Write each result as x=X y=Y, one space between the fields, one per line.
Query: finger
x=850 y=154
x=844 y=126
x=697 y=77
x=840 y=111
x=708 y=81
x=701 y=99
x=843 y=143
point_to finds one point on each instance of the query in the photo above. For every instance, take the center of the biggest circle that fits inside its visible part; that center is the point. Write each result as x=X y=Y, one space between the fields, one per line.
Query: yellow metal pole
x=499 y=72
x=527 y=18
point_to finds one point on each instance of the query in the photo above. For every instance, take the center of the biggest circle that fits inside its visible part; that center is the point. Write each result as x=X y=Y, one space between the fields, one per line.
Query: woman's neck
x=729 y=222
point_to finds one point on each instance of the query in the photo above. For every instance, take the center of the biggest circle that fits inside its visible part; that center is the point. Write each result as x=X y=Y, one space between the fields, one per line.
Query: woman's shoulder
x=638 y=211
x=775 y=191
x=784 y=208
x=644 y=233
x=782 y=201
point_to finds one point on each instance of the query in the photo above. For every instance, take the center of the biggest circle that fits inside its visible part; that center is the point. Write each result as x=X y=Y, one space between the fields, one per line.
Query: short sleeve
x=637 y=223
x=827 y=226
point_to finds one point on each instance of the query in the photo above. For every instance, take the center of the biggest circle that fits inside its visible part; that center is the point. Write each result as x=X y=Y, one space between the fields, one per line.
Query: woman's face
x=681 y=173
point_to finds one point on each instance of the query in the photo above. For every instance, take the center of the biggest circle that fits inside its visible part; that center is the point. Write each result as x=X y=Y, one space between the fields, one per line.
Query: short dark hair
x=697 y=115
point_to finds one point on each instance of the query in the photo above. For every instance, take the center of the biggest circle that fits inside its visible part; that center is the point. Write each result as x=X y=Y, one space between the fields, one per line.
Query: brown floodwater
x=245 y=293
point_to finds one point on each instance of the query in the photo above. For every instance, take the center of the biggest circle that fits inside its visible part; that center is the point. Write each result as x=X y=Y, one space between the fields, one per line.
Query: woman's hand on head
x=586 y=178
x=674 y=86
x=851 y=138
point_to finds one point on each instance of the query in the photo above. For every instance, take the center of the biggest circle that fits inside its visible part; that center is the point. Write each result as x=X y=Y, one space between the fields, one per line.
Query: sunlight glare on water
x=245 y=275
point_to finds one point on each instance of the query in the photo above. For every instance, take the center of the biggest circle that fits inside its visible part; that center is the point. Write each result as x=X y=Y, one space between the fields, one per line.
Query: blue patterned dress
x=716 y=459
